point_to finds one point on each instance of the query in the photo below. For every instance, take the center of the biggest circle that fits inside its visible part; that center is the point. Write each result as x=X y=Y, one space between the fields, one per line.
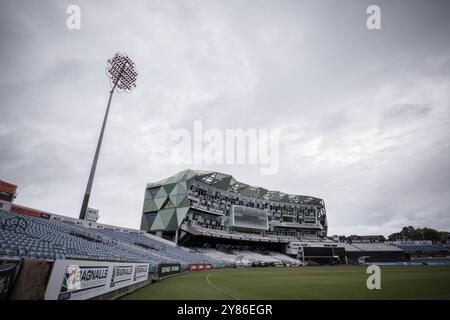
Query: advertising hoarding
x=80 y=280
x=165 y=269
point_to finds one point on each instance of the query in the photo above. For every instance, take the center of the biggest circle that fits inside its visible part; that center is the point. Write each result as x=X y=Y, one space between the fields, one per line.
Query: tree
x=409 y=233
x=426 y=234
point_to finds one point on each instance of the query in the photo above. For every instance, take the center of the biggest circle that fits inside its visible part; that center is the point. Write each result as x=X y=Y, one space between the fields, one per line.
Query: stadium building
x=205 y=199
x=213 y=212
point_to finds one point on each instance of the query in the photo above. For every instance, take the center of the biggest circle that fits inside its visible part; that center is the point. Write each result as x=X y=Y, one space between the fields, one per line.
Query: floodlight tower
x=122 y=74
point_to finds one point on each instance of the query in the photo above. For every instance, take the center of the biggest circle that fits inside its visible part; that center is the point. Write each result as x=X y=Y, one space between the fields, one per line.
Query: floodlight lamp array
x=121 y=71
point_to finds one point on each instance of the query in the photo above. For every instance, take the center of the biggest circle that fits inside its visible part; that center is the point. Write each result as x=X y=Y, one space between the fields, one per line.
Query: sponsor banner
x=79 y=280
x=140 y=272
x=165 y=269
x=121 y=274
x=199 y=266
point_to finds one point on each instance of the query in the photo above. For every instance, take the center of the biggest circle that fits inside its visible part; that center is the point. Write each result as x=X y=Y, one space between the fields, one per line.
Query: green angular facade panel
x=183 y=185
x=177 y=189
x=161 y=193
x=177 y=199
x=150 y=206
x=184 y=202
x=144 y=225
x=173 y=223
x=151 y=193
x=169 y=187
x=160 y=202
x=148 y=195
x=158 y=223
x=181 y=213
x=168 y=204
x=166 y=215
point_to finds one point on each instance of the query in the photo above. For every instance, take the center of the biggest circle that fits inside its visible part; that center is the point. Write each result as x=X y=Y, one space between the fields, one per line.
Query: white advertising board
x=80 y=280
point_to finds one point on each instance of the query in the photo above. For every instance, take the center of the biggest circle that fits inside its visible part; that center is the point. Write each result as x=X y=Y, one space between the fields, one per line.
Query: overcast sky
x=363 y=114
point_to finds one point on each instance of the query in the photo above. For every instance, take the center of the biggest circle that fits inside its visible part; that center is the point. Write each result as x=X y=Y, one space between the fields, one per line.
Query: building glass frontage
x=219 y=201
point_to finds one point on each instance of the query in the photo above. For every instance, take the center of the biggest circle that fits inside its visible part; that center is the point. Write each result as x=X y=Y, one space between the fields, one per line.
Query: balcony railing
x=206 y=209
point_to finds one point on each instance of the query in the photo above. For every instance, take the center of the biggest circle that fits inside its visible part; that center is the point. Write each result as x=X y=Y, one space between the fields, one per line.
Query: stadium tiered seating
x=348 y=247
x=374 y=252
x=247 y=257
x=431 y=261
x=223 y=233
x=283 y=258
x=219 y=255
x=256 y=257
x=182 y=255
x=375 y=247
x=52 y=239
x=431 y=248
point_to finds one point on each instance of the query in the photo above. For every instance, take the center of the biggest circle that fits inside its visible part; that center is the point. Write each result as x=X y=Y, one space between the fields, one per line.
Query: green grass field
x=338 y=282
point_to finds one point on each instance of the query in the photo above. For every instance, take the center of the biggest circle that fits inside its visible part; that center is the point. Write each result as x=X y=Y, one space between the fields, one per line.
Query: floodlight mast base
x=87 y=193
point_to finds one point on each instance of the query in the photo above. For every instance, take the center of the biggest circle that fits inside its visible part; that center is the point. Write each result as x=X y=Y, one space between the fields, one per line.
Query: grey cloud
x=373 y=104
x=406 y=111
